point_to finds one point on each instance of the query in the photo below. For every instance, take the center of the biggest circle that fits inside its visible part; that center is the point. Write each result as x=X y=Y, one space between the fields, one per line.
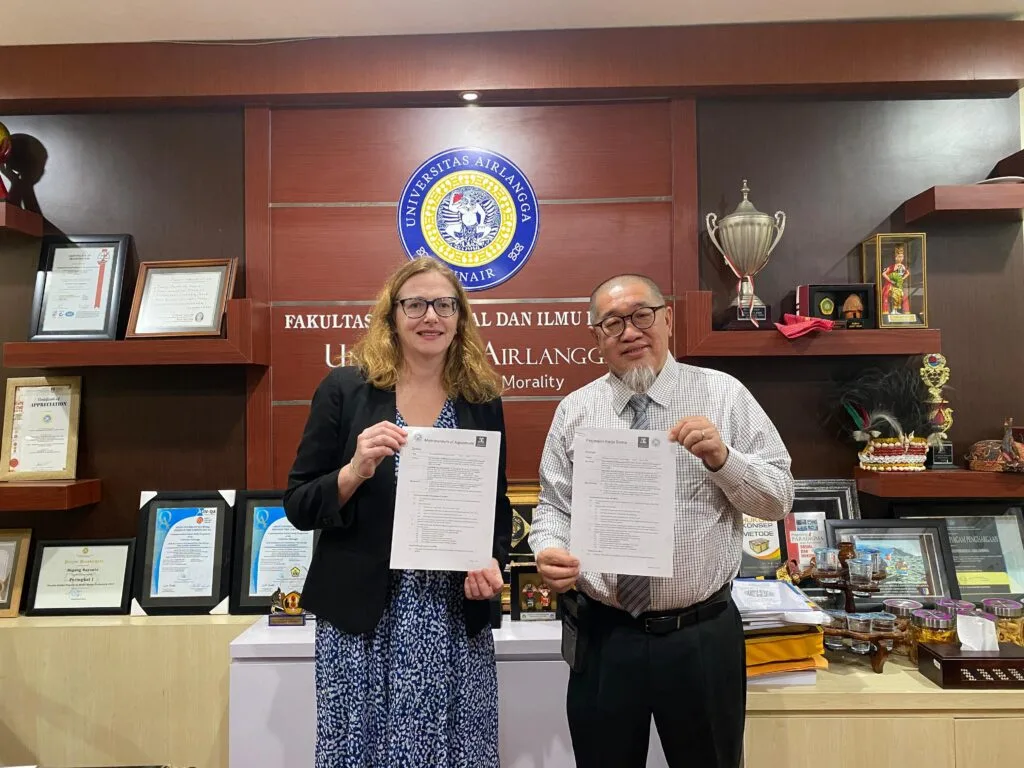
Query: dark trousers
x=692 y=681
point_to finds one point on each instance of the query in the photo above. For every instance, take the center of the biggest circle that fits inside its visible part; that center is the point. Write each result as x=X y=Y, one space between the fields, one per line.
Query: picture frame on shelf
x=79 y=287
x=183 y=562
x=531 y=598
x=77 y=577
x=14 y=545
x=843 y=490
x=897 y=263
x=987 y=545
x=917 y=555
x=181 y=298
x=40 y=432
x=269 y=552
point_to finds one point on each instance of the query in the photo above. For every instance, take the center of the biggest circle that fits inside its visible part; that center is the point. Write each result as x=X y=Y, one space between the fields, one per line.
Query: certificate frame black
x=126 y=586
x=120 y=246
x=939 y=556
x=148 y=520
x=239 y=602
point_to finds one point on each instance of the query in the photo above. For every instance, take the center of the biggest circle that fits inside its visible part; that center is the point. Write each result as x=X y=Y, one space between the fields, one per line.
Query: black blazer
x=347 y=583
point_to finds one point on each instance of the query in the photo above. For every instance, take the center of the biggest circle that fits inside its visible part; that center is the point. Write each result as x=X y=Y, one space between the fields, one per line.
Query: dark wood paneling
x=523 y=338
x=288 y=422
x=685 y=218
x=840 y=170
x=933 y=56
x=174 y=181
x=338 y=254
x=367 y=155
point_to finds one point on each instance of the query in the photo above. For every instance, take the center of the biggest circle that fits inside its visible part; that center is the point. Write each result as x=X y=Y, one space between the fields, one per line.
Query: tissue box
x=948 y=666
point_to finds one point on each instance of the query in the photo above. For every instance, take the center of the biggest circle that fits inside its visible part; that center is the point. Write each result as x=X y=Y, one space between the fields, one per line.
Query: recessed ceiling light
x=470 y=96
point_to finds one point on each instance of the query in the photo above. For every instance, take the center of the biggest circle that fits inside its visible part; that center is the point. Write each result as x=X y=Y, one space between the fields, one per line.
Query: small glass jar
x=884 y=622
x=903 y=610
x=1009 y=616
x=874 y=556
x=931 y=626
x=827 y=559
x=859 y=622
x=835 y=642
x=950 y=605
x=860 y=571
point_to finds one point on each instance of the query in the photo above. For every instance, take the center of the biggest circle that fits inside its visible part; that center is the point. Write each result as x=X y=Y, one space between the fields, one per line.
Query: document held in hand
x=623 y=501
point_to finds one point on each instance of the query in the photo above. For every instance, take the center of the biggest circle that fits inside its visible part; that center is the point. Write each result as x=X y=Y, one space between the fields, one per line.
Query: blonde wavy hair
x=467 y=371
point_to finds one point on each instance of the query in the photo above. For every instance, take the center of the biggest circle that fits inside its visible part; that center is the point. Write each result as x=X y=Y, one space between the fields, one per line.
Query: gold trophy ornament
x=935 y=374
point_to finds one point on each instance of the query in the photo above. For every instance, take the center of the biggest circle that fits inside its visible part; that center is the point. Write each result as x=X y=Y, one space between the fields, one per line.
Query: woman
x=405 y=671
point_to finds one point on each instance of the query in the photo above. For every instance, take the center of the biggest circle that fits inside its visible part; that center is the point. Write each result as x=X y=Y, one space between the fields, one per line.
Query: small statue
x=1006 y=455
x=895 y=296
x=545 y=597
x=530 y=596
x=853 y=308
x=5 y=152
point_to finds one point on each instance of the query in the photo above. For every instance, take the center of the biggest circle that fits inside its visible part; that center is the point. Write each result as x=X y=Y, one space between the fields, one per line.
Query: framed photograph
x=988 y=548
x=844 y=491
x=184 y=551
x=524 y=498
x=269 y=552
x=40 y=435
x=81 y=578
x=917 y=555
x=181 y=298
x=532 y=599
x=897 y=263
x=79 y=287
x=14 y=544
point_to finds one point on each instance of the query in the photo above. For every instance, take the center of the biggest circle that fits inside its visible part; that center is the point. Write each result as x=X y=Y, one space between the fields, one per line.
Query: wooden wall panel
x=288 y=421
x=366 y=155
x=345 y=254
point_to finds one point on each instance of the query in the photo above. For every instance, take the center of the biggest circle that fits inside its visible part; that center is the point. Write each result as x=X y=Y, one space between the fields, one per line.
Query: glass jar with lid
x=1009 y=615
x=931 y=626
x=903 y=609
x=954 y=606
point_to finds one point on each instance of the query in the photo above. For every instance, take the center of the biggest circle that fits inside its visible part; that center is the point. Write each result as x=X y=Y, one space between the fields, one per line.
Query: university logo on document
x=473 y=210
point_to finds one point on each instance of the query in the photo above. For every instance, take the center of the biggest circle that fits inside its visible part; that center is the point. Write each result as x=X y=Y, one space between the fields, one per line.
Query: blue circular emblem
x=473 y=210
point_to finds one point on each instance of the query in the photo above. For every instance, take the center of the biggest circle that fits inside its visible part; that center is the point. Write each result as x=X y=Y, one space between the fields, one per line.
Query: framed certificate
x=79 y=288
x=270 y=553
x=81 y=577
x=181 y=298
x=13 y=560
x=40 y=435
x=184 y=552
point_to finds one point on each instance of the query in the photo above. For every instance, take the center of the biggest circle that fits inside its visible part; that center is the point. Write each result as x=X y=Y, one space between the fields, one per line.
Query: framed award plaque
x=181 y=298
x=81 y=578
x=40 y=435
x=182 y=564
x=79 y=288
x=270 y=554
x=14 y=545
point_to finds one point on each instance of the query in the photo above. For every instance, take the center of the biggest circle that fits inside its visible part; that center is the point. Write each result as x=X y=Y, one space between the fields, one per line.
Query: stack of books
x=783 y=633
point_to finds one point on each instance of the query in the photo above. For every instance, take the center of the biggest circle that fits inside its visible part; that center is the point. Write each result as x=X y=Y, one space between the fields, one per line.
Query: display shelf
x=37 y=495
x=701 y=341
x=14 y=219
x=965 y=203
x=941 y=484
x=245 y=344
x=1012 y=165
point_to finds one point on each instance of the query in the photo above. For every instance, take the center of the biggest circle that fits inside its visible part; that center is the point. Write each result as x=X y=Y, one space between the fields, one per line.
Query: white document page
x=444 y=502
x=623 y=501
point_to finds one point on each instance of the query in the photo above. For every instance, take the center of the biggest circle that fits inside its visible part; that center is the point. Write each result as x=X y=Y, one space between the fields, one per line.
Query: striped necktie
x=634 y=592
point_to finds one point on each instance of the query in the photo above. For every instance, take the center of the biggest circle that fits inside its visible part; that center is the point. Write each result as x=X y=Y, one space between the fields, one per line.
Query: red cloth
x=793 y=326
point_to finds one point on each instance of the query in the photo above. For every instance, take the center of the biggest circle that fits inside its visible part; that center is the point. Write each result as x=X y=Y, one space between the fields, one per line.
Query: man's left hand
x=700 y=437
x=485 y=583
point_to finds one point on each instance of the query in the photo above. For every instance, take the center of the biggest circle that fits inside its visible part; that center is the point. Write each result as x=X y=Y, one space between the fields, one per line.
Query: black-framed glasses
x=416 y=306
x=641 y=319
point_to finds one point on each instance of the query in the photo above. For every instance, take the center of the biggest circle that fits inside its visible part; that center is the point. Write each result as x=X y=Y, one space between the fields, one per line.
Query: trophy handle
x=780 y=227
x=711 y=222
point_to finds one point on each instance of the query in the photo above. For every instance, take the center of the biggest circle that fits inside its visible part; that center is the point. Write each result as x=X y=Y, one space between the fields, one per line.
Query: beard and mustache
x=639 y=378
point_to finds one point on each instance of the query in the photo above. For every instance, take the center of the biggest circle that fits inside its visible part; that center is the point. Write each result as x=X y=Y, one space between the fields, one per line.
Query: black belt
x=664 y=622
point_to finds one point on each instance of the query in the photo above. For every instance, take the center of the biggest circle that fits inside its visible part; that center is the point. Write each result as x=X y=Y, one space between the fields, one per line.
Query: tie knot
x=639 y=403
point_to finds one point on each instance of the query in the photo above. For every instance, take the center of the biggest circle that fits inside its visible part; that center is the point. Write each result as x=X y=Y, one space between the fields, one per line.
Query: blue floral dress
x=415 y=692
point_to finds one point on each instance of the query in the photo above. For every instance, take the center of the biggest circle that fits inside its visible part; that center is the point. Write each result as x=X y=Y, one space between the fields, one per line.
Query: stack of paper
x=783 y=633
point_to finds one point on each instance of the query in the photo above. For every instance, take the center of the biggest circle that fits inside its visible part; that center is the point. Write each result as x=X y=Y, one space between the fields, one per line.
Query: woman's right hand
x=375 y=444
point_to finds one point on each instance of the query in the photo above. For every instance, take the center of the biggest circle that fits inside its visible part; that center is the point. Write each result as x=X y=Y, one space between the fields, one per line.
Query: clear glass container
x=827 y=559
x=835 y=642
x=903 y=610
x=859 y=622
x=860 y=572
x=931 y=626
x=884 y=622
x=1009 y=617
x=950 y=605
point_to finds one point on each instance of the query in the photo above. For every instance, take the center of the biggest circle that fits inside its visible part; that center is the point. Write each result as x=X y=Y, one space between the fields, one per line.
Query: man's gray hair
x=624 y=278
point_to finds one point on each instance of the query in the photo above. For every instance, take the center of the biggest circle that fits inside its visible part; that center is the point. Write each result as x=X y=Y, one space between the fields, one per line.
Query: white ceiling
x=29 y=22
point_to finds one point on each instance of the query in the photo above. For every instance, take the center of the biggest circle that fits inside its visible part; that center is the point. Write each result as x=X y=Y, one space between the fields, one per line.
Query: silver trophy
x=746 y=238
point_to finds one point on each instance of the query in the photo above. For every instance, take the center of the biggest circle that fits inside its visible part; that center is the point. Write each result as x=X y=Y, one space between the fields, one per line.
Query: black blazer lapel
x=381 y=407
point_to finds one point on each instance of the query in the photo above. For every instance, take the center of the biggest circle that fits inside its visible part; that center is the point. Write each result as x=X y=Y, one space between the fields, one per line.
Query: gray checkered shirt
x=755 y=479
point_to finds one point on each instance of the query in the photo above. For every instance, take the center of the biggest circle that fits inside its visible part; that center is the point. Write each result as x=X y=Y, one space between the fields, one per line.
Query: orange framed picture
x=181 y=298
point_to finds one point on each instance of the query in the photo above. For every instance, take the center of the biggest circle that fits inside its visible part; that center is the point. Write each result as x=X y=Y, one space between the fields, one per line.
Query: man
x=668 y=647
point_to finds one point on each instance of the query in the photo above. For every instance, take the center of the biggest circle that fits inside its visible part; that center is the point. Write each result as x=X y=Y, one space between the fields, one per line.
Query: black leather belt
x=664 y=622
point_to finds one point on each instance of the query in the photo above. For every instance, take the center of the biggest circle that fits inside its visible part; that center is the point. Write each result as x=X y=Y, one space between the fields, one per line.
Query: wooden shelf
x=1012 y=165
x=701 y=341
x=966 y=203
x=941 y=484
x=19 y=220
x=245 y=344
x=31 y=496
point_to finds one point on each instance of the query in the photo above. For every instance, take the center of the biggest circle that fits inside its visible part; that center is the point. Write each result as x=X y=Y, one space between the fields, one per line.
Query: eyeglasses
x=416 y=307
x=642 y=319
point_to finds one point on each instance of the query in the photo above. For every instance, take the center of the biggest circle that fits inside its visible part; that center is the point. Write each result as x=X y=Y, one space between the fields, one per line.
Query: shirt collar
x=660 y=391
